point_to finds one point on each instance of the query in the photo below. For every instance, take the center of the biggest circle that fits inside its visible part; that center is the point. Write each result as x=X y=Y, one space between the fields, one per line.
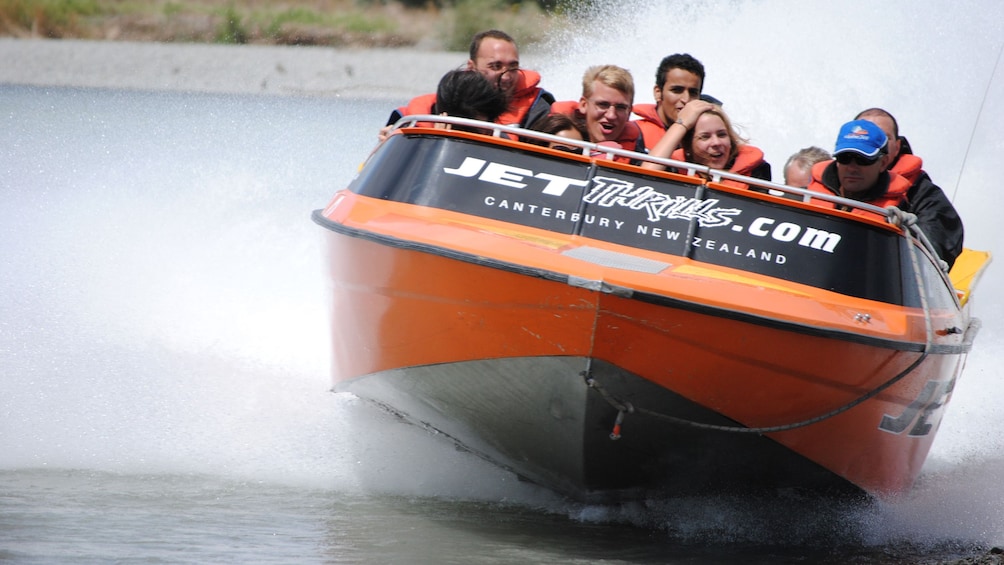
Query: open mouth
x=717 y=159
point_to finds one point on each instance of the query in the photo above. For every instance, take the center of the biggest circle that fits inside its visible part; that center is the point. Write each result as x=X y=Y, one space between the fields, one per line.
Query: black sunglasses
x=859 y=160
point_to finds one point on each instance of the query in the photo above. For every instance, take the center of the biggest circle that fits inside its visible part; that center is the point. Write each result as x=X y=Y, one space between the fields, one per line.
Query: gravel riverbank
x=245 y=69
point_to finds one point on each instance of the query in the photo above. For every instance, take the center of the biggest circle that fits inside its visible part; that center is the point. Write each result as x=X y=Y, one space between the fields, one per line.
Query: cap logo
x=857 y=133
x=860 y=136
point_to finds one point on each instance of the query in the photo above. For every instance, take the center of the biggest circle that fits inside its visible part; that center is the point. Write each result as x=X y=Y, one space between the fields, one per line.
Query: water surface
x=163 y=334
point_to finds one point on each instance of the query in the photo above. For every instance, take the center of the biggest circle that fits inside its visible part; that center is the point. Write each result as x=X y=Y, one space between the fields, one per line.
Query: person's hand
x=385 y=133
x=691 y=111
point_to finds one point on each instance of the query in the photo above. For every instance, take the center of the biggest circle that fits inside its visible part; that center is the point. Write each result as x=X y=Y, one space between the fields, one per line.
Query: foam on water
x=166 y=306
x=169 y=308
x=789 y=74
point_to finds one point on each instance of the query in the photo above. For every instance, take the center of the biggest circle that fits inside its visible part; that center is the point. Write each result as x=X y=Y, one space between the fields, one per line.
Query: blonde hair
x=613 y=76
x=736 y=140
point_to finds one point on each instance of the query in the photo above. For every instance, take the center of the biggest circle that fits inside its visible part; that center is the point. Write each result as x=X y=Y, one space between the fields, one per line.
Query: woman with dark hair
x=560 y=125
x=468 y=94
x=464 y=94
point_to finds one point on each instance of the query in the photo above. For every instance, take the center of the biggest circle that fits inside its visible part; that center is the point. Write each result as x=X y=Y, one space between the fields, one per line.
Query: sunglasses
x=859 y=160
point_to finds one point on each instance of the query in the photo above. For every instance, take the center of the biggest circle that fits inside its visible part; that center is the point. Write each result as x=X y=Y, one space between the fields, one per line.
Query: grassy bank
x=363 y=23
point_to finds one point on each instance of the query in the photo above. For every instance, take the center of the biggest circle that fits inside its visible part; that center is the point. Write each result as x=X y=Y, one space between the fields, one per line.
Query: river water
x=163 y=329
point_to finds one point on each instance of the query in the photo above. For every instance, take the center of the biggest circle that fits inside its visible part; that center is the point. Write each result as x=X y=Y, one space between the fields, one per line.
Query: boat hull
x=498 y=359
x=608 y=331
x=536 y=417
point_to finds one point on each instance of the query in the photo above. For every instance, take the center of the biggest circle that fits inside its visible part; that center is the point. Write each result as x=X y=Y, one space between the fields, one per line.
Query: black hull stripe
x=649 y=298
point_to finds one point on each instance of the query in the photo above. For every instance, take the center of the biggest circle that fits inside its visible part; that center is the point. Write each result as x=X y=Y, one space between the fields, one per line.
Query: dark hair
x=554 y=123
x=880 y=112
x=678 y=61
x=468 y=94
x=492 y=33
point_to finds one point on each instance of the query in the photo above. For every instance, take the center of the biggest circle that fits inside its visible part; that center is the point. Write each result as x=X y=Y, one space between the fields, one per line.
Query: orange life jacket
x=630 y=138
x=526 y=92
x=567 y=107
x=894 y=194
x=652 y=126
x=424 y=104
x=747 y=159
x=523 y=98
x=909 y=166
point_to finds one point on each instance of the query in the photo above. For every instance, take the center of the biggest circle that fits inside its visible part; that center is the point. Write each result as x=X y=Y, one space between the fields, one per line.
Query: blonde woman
x=703 y=134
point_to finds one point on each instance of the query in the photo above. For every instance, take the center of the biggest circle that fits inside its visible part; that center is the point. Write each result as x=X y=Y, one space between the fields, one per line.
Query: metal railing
x=598 y=151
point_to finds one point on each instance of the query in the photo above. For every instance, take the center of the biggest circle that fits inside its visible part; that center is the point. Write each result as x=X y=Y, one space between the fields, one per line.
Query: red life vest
x=630 y=138
x=652 y=127
x=424 y=104
x=747 y=159
x=894 y=194
x=569 y=108
x=908 y=166
x=523 y=97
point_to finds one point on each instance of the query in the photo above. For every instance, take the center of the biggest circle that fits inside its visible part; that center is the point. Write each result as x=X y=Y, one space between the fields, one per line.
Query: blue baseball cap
x=860 y=136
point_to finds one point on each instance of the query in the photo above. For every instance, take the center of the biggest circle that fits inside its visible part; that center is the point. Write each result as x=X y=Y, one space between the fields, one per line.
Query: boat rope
x=908 y=223
x=623 y=407
x=897 y=216
x=979 y=114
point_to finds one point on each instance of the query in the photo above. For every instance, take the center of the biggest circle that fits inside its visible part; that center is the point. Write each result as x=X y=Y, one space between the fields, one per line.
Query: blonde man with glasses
x=605 y=108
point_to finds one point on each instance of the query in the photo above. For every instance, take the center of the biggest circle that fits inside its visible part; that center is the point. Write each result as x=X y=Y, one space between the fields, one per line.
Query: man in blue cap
x=858 y=168
x=859 y=171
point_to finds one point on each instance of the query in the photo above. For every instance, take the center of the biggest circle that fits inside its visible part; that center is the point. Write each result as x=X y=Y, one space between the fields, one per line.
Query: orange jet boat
x=611 y=332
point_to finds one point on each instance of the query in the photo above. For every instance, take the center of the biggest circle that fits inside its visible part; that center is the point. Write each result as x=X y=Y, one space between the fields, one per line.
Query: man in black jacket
x=935 y=214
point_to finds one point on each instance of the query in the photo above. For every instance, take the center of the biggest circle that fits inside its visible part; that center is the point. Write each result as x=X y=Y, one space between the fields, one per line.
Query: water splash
x=168 y=308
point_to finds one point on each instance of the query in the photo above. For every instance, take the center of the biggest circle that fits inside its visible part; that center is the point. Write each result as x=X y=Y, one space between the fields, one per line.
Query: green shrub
x=172 y=9
x=292 y=16
x=49 y=18
x=527 y=22
x=466 y=18
x=232 y=29
x=361 y=23
x=546 y=5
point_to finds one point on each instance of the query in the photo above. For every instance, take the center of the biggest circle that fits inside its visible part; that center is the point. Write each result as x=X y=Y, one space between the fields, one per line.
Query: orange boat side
x=433 y=287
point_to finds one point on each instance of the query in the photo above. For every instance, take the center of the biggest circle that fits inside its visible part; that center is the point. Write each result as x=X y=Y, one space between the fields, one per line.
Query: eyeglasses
x=603 y=106
x=859 y=160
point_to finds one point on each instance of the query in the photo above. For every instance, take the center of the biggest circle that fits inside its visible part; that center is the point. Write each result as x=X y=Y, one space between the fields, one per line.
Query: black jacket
x=936 y=217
